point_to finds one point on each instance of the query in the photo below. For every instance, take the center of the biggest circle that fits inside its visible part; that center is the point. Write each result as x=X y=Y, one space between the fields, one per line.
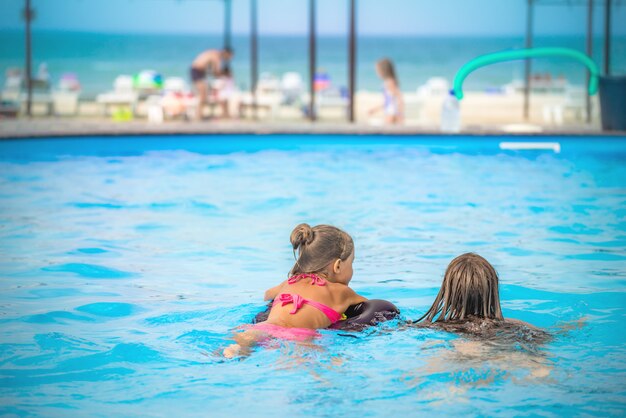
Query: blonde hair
x=387 y=70
x=319 y=246
x=469 y=288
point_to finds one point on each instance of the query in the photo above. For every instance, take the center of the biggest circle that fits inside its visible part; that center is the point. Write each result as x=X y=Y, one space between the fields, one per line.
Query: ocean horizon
x=97 y=58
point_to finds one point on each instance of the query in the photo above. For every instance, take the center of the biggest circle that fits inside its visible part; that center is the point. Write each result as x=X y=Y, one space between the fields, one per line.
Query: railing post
x=312 y=60
x=28 y=16
x=254 y=70
x=352 y=60
x=529 y=44
x=607 y=38
x=590 y=53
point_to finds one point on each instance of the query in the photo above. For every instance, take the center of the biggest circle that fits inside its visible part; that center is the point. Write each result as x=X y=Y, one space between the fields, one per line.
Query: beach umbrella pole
x=254 y=70
x=312 y=63
x=607 y=38
x=28 y=16
x=227 y=24
x=352 y=59
x=529 y=44
x=589 y=53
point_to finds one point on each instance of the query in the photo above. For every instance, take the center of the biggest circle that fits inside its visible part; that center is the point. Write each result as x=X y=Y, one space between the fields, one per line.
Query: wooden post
x=254 y=61
x=607 y=38
x=590 y=53
x=227 y=24
x=28 y=16
x=312 y=61
x=352 y=60
x=529 y=44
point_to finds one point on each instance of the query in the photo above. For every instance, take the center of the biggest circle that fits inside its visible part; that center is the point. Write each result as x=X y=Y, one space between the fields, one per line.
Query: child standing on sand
x=393 y=105
x=316 y=293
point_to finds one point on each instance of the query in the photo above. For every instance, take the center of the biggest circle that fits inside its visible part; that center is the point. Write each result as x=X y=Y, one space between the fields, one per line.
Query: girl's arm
x=271 y=293
x=350 y=297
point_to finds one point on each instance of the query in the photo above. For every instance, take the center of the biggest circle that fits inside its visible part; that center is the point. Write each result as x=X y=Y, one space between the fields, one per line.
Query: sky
x=392 y=17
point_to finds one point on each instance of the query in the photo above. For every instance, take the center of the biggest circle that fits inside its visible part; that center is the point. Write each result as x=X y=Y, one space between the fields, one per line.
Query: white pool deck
x=60 y=127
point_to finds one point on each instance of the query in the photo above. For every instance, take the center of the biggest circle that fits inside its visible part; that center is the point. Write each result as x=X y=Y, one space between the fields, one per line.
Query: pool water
x=127 y=261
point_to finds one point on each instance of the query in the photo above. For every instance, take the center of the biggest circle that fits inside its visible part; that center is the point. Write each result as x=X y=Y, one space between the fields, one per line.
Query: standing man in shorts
x=207 y=62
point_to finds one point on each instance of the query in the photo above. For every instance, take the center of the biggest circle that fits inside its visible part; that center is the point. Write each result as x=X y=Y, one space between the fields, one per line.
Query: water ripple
x=89 y=270
x=109 y=309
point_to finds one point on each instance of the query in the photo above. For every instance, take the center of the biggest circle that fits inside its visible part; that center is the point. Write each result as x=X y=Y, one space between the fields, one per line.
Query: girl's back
x=316 y=297
x=316 y=294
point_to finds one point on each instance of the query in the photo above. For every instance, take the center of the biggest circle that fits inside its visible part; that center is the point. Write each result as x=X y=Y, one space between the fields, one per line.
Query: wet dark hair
x=319 y=246
x=469 y=289
x=387 y=69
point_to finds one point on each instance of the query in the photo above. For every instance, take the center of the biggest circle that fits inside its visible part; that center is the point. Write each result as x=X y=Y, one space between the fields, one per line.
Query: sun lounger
x=537 y=85
x=292 y=88
x=573 y=102
x=268 y=96
x=40 y=97
x=123 y=94
x=9 y=109
x=333 y=98
x=434 y=87
x=65 y=98
x=14 y=93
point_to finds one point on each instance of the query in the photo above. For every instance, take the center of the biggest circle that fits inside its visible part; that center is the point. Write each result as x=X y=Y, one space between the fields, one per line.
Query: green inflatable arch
x=518 y=54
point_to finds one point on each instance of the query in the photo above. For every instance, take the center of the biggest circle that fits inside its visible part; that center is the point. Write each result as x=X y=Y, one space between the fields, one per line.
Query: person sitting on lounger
x=207 y=62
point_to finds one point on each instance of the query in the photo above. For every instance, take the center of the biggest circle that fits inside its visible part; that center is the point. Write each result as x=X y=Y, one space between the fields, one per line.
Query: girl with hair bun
x=314 y=296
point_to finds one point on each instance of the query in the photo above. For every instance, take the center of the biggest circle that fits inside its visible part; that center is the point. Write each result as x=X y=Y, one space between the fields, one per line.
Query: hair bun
x=301 y=235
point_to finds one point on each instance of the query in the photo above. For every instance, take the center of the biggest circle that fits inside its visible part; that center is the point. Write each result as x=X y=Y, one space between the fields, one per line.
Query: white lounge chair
x=40 y=97
x=175 y=85
x=65 y=97
x=268 y=96
x=14 y=92
x=123 y=94
x=574 y=102
x=434 y=87
x=413 y=107
x=13 y=83
x=333 y=98
x=292 y=88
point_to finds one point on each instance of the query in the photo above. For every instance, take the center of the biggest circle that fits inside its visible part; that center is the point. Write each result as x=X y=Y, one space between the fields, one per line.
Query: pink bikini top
x=298 y=301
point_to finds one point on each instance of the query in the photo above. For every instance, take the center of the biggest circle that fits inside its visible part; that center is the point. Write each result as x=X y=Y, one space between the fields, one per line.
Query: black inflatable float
x=360 y=316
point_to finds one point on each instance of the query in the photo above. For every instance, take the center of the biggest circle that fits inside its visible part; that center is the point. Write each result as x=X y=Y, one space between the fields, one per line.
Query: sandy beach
x=479 y=111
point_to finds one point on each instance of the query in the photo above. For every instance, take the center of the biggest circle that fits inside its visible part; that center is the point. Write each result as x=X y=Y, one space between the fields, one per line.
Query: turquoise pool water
x=127 y=261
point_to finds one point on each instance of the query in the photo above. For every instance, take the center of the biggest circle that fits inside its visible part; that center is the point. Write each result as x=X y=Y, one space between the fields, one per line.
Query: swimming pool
x=126 y=261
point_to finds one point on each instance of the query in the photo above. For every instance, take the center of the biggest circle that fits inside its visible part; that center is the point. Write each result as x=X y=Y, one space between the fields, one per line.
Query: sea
x=97 y=58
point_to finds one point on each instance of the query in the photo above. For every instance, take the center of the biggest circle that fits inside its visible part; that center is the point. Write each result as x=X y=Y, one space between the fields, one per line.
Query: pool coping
x=53 y=128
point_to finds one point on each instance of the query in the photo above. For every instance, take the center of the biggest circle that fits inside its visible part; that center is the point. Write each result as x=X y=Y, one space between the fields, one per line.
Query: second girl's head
x=469 y=288
x=323 y=249
x=385 y=69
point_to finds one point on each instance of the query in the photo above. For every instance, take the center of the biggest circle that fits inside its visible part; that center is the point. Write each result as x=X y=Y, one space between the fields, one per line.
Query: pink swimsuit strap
x=298 y=301
x=315 y=279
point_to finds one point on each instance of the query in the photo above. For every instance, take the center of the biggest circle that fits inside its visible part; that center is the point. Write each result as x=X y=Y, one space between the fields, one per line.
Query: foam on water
x=126 y=263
